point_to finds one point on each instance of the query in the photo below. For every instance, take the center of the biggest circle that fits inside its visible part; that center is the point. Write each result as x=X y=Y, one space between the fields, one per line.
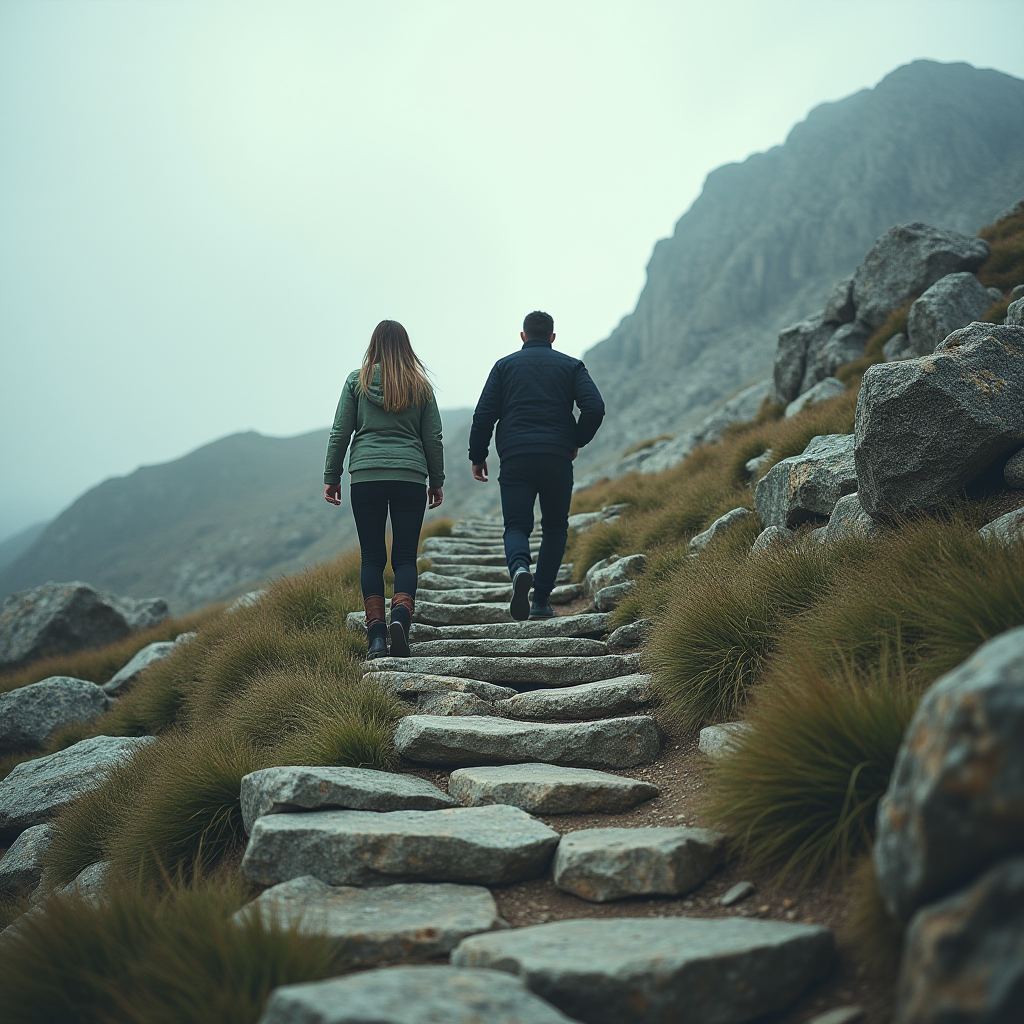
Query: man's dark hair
x=538 y=325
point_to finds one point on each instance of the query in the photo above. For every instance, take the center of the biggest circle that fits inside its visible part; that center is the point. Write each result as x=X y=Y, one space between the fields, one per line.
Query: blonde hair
x=403 y=376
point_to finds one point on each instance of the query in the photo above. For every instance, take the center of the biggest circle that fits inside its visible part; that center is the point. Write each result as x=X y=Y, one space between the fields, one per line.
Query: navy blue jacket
x=530 y=394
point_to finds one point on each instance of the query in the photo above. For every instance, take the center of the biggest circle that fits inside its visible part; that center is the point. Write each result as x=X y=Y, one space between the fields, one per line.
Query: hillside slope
x=765 y=241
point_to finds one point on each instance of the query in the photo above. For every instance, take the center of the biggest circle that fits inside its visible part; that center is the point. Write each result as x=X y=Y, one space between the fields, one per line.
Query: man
x=530 y=394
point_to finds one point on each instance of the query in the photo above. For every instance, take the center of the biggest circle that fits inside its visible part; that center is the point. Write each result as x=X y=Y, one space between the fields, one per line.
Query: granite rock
x=1007 y=529
x=629 y=636
x=820 y=392
x=1015 y=313
x=954 y=301
x=451 y=703
x=609 y=598
x=898 y=347
x=849 y=519
x=612 y=571
x=1013 y=471
x=717 y=741
x=772 y=538
x=513 y=670
x=21 y=866
x=539 y=647
x=422 y=687
x=795 y=344
x=719 y=528
x=602 y=699
x=149 y=654
x=30 y=715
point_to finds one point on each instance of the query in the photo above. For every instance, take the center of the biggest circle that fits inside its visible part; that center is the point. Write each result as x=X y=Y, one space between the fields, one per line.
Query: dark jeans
x=370 y=504
x=522 y=479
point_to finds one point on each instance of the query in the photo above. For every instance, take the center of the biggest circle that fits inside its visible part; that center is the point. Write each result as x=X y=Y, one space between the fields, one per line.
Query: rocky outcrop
x=31 y=714
x=1013 y=471
x=603 y=698
x=612 y=571
x=631 y=635
x=1007 y=529
x=954 y=301
x=926 y=427
x=22 y=865
x=825 y=389
x=1015 y=313
x=127 y=675
x=59 y=618
x=719 y=528
x=849 y=519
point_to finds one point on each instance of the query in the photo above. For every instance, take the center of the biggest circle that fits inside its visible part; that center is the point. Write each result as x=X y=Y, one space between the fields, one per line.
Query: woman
x=388 y=410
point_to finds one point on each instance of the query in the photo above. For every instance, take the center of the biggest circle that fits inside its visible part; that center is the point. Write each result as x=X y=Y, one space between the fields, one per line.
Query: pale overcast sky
x=205 y=207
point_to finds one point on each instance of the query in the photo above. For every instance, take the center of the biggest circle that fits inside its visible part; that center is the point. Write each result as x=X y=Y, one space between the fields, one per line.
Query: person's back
x=530 y=394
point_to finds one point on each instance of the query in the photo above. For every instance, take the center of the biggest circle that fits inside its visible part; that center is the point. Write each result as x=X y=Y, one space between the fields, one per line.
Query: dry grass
x=1005 y=266
x=644 y=445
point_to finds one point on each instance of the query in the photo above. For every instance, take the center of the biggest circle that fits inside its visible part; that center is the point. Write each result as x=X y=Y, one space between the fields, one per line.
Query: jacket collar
x=536 y=343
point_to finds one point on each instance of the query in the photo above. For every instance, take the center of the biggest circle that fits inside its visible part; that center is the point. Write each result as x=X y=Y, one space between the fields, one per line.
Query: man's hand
x=332 y=493
x=436 y=496
x=480 y=472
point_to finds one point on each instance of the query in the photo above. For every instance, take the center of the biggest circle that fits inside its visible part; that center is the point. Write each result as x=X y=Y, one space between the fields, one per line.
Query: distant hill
x=216 y=522
x=766 y=240
x=18 y=542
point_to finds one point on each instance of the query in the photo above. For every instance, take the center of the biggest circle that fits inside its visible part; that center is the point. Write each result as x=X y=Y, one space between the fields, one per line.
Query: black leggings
x=370 y=503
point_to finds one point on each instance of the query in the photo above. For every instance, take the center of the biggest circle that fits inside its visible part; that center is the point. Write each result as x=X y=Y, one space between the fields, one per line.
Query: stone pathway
x=534 y=718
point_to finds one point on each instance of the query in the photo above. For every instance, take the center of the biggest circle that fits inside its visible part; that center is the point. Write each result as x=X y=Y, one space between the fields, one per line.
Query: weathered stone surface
x=592 y=625
x=287 y=789
x=611 y=571
x=736 y=893
x=1007 y=529
x=431 y=581
x=548 y=789
x=820 y=392
x=456 y=704
x=772 y=537
x=954 y=301
x=31 y=714
x=1013 y=471
x=245 y=601
x=495 y=575
x=758 y=462
x=473 y=595
x=419 y=686
x=588 y=700
x=840 y=1015
x=58 y=618
x=791 y=356
x=411 y=995
x=475 y=559
x=605 y=864
x=719 y=528
x=442 y=546
x=539 y=647
x=644 y=970
x=963 y=957
x=898 y=347
x=91 y=883
x=478 y=845
x=566 y=593
x=849 y=519
x=716 y=741
x=630 y=635
x=805 y=488
x=138 y=664
x=608 y=743
x=36 y=790
x=840 y=309
x=926 y=427
x=515 y=671
x=433 y=614
x=21 y=866
x=1015 y=313
x=585 y=520
x=955 y=800
x=905 y=261
x=394 y=922
x=609 y=598
x=844 y=346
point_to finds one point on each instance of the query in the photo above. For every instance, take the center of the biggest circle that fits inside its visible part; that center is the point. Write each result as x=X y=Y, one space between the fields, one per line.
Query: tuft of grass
x=588 y=548
x=799 y=790
x=877 y=937
x=141 y=958
x=1004 y=267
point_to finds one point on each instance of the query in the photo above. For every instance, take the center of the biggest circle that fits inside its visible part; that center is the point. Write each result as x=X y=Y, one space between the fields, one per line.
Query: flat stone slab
x=592 y=626
x=21 y=866
x=472 y=595
x=535 y=647
x=466 y=742
x=127 y=675
x=489 y=573
x=477 y=558
x=30 y=715
x=417 y=685
x=434 y=614
x=604 y=864
x=517 y=671
x=455 y=704
x=411 y=995
x=395 y=922
x=286 y=789
x=435 y=581
x=474 y=845
x=645 y=971
x=36 y=790
x=603 y=699
x=548 y=789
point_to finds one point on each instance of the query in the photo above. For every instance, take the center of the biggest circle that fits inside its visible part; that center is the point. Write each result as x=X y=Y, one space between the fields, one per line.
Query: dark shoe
x=541 y=610
x=399 y=640
x=519 y=607
x=377 y=639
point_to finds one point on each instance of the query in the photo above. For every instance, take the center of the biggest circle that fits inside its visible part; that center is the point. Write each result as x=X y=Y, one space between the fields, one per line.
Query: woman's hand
x=332 y=493
x=436 y=496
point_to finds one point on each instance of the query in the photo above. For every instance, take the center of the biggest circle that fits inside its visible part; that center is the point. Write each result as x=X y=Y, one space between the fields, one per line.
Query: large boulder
x=849 y=519
x=719 y=528
x=805 y=488
x=796 y=344
x=955 y=801
x=612 y=571
x=127 y=674
x=31 y=714
x=926 y=427
x=22 y=865
x=1007 y=529
x=825 y=389
x=1015 y=313
x=842 y=347
x=59 y=618
x=954 y=301
x=963 y=957
x=905 y=261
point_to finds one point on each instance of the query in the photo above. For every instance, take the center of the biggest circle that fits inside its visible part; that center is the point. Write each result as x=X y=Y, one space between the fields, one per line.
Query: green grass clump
x=799 y=790
x=1004 y=267
x=142 y=958
x=877 y=937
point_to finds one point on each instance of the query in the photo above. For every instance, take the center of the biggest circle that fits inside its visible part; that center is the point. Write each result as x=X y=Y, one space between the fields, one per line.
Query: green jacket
x=385 y=445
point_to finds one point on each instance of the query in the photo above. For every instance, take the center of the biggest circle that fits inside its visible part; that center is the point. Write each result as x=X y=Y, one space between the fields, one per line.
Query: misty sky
x=205 y=207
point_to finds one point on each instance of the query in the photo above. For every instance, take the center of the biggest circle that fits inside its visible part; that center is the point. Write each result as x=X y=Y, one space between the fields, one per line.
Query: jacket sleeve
x=433 y=444
x=341 y=434
x=487 y=413
x=591 y=405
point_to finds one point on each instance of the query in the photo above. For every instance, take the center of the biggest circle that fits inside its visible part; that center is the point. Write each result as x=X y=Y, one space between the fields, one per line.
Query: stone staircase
x=530 y=718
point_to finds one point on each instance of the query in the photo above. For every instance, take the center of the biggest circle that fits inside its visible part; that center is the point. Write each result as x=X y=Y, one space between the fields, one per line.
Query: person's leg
x=370 y=510
x=518 y=493
x=554 y=479
x=408 y=502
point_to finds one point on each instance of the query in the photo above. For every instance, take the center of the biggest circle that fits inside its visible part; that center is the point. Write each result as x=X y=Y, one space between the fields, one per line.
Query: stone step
x=411 y=995
x=646 y=970
x=516 y=671
x=549 y=789
x=604 y=864
x=472 y=595
x=592 y=626
x=474 y=560
x=411 y=921
x=603 y=699
x=298 y=788
x=417 y=685
x=467 y=742
x=431 y=581
x=475 y=845
x=490 y=573
x=431 y=613
x=539 y=647
x=457 y=546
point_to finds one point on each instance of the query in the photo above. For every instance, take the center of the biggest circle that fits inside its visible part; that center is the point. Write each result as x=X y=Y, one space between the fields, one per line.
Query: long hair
x=403 y=376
